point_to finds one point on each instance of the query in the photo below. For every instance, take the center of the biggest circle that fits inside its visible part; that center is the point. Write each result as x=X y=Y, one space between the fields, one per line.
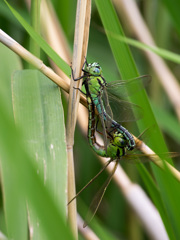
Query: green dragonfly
x=103 y=94
x=117 y=140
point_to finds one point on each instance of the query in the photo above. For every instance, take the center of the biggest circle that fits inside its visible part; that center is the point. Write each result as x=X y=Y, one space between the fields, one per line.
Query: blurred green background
x=115 y=218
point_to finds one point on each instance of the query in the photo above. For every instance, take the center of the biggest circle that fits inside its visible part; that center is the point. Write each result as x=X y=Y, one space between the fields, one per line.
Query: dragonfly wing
x=98 y=198
x=125 y=88
x=101 y=116
x=109 y=113
x=124 y=111
x=144 y=158
x=114 y=96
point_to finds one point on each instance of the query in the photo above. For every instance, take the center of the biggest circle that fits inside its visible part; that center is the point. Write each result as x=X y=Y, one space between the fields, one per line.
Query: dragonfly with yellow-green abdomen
x=102 y=94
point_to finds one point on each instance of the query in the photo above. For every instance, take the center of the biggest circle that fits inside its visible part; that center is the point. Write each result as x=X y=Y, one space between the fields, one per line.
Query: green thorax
x=96 y=85
x=94 y=79
x=117 y=146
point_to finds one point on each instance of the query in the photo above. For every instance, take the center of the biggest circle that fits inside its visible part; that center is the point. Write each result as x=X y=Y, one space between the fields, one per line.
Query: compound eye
x=123 y=142
x=96 y=70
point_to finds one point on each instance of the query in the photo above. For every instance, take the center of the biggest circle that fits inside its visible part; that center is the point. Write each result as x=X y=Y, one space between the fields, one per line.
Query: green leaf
x=38 y=110
x=33 y=167
x=14 y=207
x=156 y=197
x=171 y=126
x=173 y=7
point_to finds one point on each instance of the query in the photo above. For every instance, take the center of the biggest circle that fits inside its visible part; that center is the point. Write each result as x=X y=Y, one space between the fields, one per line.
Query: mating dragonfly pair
x=118 y=141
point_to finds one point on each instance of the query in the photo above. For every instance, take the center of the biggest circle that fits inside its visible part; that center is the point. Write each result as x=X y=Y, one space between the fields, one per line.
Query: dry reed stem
x=129 y=10
x=81 y=36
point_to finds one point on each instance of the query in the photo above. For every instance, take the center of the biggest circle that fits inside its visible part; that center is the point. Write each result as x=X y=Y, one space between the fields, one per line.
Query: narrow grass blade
x=18 y=169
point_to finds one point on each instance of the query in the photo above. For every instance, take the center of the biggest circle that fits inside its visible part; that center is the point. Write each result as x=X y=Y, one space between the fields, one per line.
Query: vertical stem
x=80 y=48
x=35 y=22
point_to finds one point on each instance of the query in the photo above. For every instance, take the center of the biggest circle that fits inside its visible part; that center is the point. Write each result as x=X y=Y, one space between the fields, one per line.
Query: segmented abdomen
x=100 y=150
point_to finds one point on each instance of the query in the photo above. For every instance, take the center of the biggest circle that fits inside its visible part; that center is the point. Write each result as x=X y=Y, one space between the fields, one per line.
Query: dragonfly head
x=94 y=69
x=119 y=140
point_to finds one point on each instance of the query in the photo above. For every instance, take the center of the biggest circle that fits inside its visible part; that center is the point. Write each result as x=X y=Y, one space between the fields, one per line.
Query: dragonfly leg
x=98 y=197
x=80 y=90
x=97 y=130
x=75 y=79
x=85 y=62
x=92 y=180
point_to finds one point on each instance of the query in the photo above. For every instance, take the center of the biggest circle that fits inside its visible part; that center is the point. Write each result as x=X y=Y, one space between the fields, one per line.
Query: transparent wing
x=101 y=116
x=116 y=106
x=125 y=88
x=124 y=111
x=108 y=109
x=136 y=156
x=118 y=109
x=144 y=158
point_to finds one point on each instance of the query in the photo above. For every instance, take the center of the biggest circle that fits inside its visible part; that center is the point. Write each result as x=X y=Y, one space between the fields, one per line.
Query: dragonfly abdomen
x=125 y=133
x=101 y=110
x=100 y=150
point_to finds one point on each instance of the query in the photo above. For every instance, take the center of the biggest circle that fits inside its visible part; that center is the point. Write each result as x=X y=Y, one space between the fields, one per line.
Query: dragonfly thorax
x=94 y=69
x=114 y=151
x=119 y=140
